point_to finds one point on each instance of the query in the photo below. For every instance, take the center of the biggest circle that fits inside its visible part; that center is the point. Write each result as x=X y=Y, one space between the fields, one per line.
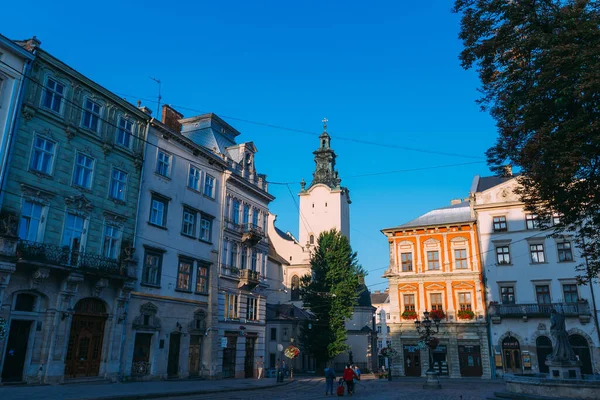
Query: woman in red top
x=349 y=376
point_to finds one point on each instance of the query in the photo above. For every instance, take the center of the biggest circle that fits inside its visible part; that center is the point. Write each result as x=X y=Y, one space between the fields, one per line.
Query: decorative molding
x=100 y=286
x=147 y=320
x=113 y=219
x=79 y=203
x=28 y=113
x=38 y=277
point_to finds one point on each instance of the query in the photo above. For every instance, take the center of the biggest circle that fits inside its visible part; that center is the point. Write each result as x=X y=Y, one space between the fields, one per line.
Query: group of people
x=280 y=369
x=349 y=377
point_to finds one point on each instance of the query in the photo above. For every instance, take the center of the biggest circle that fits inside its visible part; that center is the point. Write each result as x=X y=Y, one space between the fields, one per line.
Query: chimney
x=454 y=202
x=171 y=117
x=507 y=171
x=144 y=109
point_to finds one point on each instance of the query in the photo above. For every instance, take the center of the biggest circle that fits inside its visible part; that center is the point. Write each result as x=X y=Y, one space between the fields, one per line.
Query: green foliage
x=330 y=292
x=539 y=66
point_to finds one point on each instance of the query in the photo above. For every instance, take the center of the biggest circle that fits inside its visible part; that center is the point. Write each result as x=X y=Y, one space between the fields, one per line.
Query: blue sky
x=385 y=72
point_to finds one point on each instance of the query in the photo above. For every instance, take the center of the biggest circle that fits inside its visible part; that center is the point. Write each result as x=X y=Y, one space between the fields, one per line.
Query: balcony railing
x=64 y=256
x=249 y=278
x=228 y=270
x=497 y=311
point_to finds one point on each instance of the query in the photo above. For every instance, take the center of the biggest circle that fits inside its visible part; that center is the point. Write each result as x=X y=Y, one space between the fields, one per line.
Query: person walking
x=260 y=365
x=349 y=376
x=278 y=371
x=329 y=379
x=357 y=371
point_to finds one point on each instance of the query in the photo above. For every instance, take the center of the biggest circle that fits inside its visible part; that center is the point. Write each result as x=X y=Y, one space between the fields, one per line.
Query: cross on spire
x=325 y=120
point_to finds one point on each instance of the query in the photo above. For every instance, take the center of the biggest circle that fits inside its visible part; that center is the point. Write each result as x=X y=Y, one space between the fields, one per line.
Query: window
x=388 y=329
x=531 y=221
x=295 y=288
x=235 y=217
x=433 y=260
x=500 y=224
x=234 y=255
x=409 y=302
x=158 y=211
x=73 y=232
x=152 y=267
x=556 y=219
x=255 y=218
x=508 y=294
x=460 y=258
x=231 y=306
x=273 y=334
x=118 y=184
x=542 y=293
x=502 y=255
x=202 y=277
x=436 y=302
x=246 y=214
x=25 y=302
x=163 y=164
x=252 y=309
x=124 y=132
x=565 y=253
x=464 y=301
x=253 y=258
x=570 y=292
x=30 y=225
x=188 y=226
x=91 y=115
x=206 y=228
x=379 y=344
x=285 y=334
x=184 y=274
x=84 y=168
x=53 y=95
x=378 y=328
x=388 y=343
x=406 y=259
x=209 y=186
x=244 y=262
x=537 y=253
x=112 y=236
x=43 y=155
x=388 y=316
x=311 y=239
x=194 y=178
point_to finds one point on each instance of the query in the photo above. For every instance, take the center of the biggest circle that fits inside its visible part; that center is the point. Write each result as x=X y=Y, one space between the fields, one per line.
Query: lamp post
x=426 y=329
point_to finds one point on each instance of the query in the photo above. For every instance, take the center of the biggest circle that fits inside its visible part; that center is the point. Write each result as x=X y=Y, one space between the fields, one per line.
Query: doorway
x=173 y=358
x=249 y=360
x=412 y=360
x=582 y=352
x=195 y=354
x=84 y=352
x=469 y=358
x=543 y=347
x=440 y=365
x=140 y=365
x=511 y=352
x=229 y=354
x=16 y=351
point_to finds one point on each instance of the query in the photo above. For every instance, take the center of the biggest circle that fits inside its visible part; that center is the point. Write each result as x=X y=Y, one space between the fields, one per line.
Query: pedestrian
x=278 y=371
x=329 y=378
x=260 y=365
x=349 y=376
x=357 y=371
x=284 y=366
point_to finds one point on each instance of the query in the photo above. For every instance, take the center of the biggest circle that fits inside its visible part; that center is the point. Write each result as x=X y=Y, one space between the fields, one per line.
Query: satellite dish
x=279 y=347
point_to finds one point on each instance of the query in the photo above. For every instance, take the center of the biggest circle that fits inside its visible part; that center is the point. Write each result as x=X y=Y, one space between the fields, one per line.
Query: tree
x=330 y=292
x=539 y=66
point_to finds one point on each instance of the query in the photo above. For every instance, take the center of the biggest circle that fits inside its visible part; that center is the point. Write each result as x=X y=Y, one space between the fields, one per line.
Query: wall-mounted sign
x=223 y=342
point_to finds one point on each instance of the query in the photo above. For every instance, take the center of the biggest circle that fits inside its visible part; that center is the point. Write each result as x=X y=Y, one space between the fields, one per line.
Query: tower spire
x=325 y=172
x=324 y=121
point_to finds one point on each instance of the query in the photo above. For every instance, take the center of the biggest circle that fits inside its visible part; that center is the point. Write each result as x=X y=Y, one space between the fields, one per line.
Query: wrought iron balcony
x=580 y=309
x=249 y=278
x=230 y=271
x=251 y=233
x=64 y=256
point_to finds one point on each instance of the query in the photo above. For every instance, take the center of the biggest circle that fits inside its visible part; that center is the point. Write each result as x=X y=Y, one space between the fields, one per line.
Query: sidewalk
x=134 y=390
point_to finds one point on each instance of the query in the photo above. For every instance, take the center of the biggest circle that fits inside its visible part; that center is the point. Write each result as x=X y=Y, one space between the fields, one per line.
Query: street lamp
x=425 y=329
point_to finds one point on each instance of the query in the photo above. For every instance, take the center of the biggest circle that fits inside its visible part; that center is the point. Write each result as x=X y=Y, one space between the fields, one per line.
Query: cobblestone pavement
x=401 y=388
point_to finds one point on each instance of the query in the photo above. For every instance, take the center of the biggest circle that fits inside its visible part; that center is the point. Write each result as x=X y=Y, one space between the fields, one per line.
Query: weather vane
x=325 y=120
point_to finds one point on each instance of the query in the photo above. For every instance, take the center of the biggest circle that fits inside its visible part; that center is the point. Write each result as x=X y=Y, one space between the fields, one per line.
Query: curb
x=157 y=395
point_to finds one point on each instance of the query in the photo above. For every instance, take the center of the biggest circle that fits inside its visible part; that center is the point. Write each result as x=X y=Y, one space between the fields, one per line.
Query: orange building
x=435 y=266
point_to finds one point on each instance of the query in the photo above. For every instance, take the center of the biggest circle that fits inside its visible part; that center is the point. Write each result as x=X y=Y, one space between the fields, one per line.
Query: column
x=421 y=305
x=453 y=363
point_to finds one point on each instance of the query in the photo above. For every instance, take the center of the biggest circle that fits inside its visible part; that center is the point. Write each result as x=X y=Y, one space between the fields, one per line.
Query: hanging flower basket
x=433 y=343
x=389 y=352
x=409 y=314
x=466 y=314
x=291 y=352
x=437 y=314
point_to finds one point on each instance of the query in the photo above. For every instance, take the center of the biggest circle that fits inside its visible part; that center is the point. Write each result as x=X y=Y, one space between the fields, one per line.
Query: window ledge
x=82 y=188
x=187 y=236
x=567 y=262
x=157 y=226
x=201 y=293
x=208 y=197
x=41 y=174
x=193 y=190
x=183 y=290
x=162 y=176
x=205 y=241
x=504 y=265
x=152 y=285
x=538 y=263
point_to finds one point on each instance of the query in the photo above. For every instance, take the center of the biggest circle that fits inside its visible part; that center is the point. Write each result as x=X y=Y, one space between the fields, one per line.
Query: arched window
x=543 y=347
x=582 y=351
x=295 y=287
x=311 y=239
x=90 y=306
x=25 y=302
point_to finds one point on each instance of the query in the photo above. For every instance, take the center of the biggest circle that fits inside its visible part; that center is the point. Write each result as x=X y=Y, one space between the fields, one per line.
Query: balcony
x=230 y=271
x=249 y=278
x=65 y=257
x=251 y=234
x=580 y=309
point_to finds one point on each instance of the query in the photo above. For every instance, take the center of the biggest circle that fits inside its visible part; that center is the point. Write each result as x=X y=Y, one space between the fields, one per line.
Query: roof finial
x=325 y=120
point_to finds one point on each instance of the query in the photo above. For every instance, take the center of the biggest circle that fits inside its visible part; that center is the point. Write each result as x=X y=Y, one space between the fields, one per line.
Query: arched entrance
x=511 y=353
x=582 y=351
x=543 y=347
x=85 y=340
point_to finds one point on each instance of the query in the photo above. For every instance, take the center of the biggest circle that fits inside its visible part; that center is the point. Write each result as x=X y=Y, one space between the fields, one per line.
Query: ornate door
x=469 y=358
x=16 y=351
x=511 y=350
x=84 y=352
x=195 y=354
x=412 y=360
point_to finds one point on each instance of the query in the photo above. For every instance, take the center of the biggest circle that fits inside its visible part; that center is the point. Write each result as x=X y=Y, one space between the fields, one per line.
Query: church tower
x=324 y=204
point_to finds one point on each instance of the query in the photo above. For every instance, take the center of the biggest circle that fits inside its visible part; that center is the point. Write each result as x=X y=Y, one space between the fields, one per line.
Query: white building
x=381 y=301
x=178 y=231
x=528 y=273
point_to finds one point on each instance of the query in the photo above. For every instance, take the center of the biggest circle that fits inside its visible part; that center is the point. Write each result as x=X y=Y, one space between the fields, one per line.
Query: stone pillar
x=453 y=363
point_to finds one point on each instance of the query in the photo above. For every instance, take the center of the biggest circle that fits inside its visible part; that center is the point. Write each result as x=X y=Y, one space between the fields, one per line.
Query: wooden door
x=512 y=361
x=16 y=351
x=249 y=360
x=173 y=361
x=229 y=354
x=195 y=354
x=412 y=360
x=469 y=358
x=84 y=352
x=543 y=346
x=141 y=354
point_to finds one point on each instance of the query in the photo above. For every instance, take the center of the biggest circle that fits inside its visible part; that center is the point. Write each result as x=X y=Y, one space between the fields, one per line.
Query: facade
x=381 y=301
x=178 y=230
x=69 y=212
x=14 y=66
x=529 y=272
x=434 y=266
x=239 y=307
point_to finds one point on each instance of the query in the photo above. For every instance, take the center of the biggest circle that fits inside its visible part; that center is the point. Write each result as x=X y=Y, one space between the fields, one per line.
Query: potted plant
x=437 y=314
x=409 y=314
x=466 y=314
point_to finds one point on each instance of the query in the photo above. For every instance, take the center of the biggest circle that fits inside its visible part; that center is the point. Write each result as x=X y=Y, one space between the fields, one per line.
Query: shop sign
x=223 y=342
x=440 y=349
x=411 y=348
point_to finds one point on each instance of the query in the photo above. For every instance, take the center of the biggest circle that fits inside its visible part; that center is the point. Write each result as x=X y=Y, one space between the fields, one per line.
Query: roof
x=488 y=182
x=273 y=255
x=287 y=312
x=380 y=298
x=364 y=297
x=440 y=216
x=283 y=235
